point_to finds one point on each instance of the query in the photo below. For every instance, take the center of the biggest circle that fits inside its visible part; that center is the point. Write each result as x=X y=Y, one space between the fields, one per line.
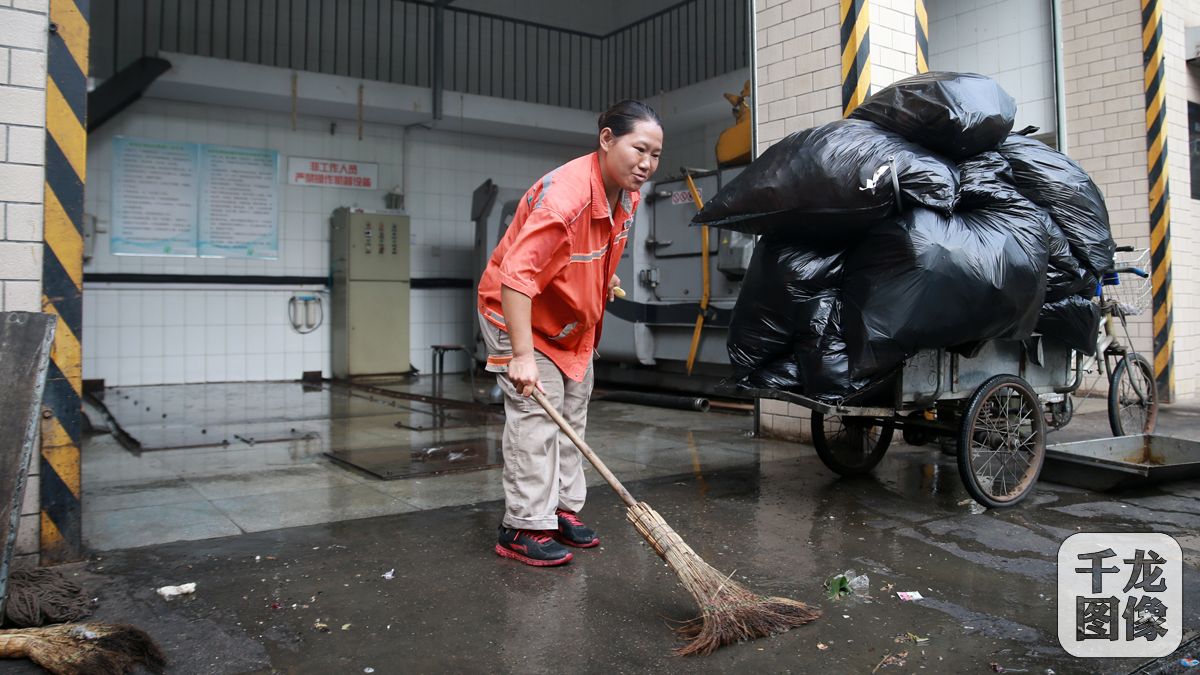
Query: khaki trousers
x=543 y=469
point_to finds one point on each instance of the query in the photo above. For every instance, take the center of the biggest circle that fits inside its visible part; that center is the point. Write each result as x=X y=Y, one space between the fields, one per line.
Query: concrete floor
x=196 y=488
x=766 y=511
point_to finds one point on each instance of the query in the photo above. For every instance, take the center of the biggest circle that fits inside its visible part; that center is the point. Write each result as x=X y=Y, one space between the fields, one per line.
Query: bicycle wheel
x=850 y=446
x=1132 y=397
x=1002 y=442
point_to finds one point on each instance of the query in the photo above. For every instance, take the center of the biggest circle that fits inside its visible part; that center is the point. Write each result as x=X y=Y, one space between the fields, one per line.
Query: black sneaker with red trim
x=572 y=531
x=532 y=547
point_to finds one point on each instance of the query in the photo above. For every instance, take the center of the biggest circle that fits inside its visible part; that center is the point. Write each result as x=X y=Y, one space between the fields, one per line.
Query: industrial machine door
x=675 y=245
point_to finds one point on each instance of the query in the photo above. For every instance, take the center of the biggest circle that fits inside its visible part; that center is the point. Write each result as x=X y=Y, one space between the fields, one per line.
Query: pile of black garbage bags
x=920 y=222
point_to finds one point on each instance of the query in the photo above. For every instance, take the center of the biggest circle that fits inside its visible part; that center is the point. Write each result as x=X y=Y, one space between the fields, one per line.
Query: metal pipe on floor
x=658 y=400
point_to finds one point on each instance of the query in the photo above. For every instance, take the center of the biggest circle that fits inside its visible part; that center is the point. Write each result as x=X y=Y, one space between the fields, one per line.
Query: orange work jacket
x=561 y=249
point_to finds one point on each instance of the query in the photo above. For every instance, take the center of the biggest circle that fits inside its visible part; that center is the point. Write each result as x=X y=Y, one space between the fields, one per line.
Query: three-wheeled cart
x=994 y=403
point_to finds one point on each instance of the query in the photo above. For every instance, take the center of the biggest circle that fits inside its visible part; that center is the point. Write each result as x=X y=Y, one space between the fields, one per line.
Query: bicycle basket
x=1130 y=292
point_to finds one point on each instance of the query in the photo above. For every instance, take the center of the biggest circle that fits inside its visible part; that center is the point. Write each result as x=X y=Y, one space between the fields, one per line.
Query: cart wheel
x=851 y=446
x=1002 y=442
x=1058 y=415
x=1132 y=397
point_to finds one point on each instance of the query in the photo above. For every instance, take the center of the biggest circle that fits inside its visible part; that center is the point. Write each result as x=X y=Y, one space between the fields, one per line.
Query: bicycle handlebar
x=1132 y=270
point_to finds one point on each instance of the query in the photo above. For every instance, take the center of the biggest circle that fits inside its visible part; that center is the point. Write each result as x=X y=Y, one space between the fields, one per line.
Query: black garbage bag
x=1073 y=320
x=821 y=353
x=782 y=275
x=779 y=375
x=1056 y=183
x=925 y=280
x=840 y=174
x=1065 y=277
x=987 y=177
x=954 y=114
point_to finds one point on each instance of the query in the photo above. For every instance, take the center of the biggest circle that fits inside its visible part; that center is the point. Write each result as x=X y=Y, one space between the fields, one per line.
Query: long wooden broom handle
x=584 y=448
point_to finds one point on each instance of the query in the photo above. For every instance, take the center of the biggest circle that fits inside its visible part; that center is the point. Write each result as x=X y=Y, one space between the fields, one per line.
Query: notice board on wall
x=186 y=199
x=155 y=196
x=239 y=203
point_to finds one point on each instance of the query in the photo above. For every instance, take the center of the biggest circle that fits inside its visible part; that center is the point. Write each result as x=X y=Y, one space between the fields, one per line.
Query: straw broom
x=91 y=648
x=730 y=612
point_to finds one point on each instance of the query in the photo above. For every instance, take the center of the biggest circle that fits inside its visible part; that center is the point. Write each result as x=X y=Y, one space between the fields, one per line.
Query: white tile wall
x=1103 y=68
x=22 y=159
x=799 y=66
x=22 y=155
x=149 y=335
x=154 y=335
x=1009 y=40
x=893 y=42
x=1183 y=85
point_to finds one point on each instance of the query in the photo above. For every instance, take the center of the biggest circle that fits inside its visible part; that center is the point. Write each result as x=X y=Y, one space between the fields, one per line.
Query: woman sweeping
x=541 y=305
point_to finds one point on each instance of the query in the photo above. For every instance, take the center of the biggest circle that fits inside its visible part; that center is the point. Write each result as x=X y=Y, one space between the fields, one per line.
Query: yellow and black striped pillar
x=62 y=277
x=922 y=32
x=1160 y=195
x=856 y=53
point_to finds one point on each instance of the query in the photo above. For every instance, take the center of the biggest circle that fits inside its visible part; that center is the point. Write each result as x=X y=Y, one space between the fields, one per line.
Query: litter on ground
x=168 y=592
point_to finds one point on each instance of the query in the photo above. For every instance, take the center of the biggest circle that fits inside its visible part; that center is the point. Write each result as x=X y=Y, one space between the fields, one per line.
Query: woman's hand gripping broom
x=729 y=611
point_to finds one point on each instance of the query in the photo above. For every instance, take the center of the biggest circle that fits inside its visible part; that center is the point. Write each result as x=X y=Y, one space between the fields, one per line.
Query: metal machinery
x=370 y=267
x=647 y=336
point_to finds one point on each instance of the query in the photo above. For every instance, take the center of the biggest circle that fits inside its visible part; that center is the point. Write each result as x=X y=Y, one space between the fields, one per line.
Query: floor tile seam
x=393 y=444
x=269 y=491
x=135 y=484
x=650 y=472
x=131 y=427
x=198 y=498
x=337 y=519
x=413 y=505
x=167 y=541
x=700 y=448
x=726 y=446
x=338 y=469
x=310 y=493
x=91 y=506
x=749 y=461
x=228 y=516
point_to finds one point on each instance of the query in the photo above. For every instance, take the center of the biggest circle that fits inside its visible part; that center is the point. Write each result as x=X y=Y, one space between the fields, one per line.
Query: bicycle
x=1124 y=291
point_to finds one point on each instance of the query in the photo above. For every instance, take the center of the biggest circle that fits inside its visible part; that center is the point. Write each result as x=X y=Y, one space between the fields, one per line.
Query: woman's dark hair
x=622 y=117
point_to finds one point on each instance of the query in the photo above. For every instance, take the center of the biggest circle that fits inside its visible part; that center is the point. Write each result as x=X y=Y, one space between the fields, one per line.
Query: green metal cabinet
x=370 y=267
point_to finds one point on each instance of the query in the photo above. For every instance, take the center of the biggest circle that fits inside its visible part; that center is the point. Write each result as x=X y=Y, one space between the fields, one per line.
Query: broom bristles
x=729 y=612
x=91 y=648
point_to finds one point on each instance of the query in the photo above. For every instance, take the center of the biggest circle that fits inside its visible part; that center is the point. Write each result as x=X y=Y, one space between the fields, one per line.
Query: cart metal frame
x=992 y=401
